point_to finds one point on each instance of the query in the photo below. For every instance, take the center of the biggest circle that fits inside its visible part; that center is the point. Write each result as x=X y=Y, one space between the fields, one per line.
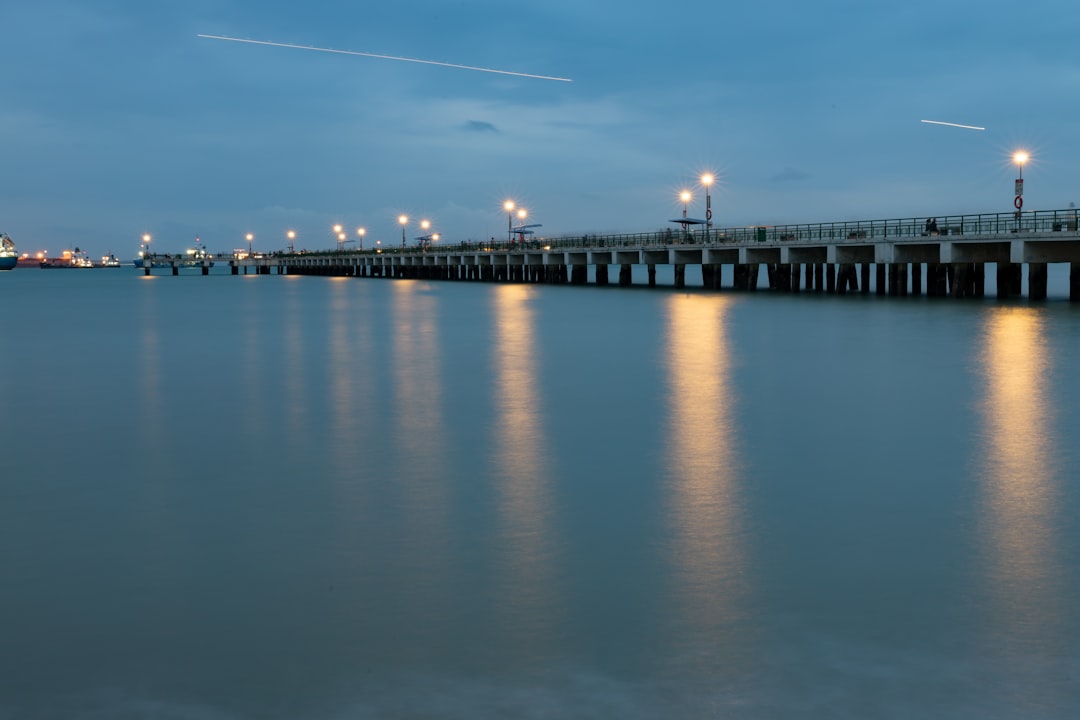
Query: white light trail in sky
x=386 y=57
x=941 y=122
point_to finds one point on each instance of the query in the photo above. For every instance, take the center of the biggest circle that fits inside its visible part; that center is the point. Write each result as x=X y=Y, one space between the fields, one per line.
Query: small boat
x=9 y=256
x=109 y=261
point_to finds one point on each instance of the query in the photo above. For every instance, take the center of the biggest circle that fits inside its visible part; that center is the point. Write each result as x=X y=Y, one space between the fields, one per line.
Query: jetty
x=944 y=257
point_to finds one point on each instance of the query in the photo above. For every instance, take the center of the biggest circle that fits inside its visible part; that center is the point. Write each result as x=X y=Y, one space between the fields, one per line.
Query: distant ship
x=69 y=259
x=9 y=256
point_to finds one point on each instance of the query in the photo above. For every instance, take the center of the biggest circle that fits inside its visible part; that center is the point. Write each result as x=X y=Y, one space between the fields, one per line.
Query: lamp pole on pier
x=404 y=220
x=146 y=244
x=522 y=213
x=685 y=196
x=509 y=207
x=1019 y=158
x=707 y=180
x=250 y=237
x=291 y=235
x=360 y=233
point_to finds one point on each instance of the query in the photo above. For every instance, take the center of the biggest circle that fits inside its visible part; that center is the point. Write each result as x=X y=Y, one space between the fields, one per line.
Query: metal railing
x=854 y=231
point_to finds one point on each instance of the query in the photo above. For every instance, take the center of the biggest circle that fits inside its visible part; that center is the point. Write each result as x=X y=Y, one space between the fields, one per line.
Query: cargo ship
x=9 y=256
x=69 y=259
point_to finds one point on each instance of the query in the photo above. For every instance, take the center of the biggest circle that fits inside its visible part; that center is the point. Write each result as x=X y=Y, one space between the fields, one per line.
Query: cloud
x=480 y=126
x=790 y=175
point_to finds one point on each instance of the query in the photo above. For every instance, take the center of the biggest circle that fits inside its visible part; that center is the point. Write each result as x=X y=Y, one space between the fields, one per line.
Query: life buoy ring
x=1018 y=203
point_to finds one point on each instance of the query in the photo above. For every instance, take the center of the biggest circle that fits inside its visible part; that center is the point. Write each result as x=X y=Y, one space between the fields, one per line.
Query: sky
x=118 y=120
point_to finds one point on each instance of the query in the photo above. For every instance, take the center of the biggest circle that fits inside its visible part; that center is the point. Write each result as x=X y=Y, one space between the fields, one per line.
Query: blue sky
x=117 y=120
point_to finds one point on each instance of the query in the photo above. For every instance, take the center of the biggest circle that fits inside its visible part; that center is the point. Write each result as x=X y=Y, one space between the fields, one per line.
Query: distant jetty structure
x=941 y=257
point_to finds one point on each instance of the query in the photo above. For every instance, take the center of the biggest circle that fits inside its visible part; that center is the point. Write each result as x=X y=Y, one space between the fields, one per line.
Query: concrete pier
x=889 y=258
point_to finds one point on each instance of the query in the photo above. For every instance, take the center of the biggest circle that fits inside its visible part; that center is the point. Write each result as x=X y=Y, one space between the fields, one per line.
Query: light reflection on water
x=705 y=508
x=419 y=477
x=1021 y=478
x=523 y=535
x=408 y=539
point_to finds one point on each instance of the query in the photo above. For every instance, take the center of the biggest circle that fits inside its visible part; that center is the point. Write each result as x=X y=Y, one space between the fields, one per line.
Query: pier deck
x=833 y=257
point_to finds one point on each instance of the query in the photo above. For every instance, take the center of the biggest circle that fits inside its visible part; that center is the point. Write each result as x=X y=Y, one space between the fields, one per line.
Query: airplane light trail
x=966 y=127
x=386 y=57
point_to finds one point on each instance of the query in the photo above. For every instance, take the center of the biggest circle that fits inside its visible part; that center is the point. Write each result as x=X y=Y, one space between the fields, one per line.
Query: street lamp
x=707 y=180
x=361 y=232
x=404 y=220
x=249 y=237
x=1020 y=157
x=292 y=236
x=509 y=207
x=146 y=244
x=522 y=213
x=340 y=241
x=685 y=196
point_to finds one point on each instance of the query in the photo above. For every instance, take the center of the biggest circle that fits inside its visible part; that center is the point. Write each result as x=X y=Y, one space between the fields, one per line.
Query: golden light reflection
x=341 y=376
x=419 y=427
x=1020 y=477
x=524 y=491
x=296 y=390
x=704 y=507
x=151 y=390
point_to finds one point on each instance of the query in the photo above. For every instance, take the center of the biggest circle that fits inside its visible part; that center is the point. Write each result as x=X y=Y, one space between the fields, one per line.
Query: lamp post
x=404 y=220
x=522 y=213
x=1020 y=157
x=146 y=244
x=686 y=197
x=707 y=181
x=250 y=237
x=509 y=207
x=361 y=232
x=291 y=235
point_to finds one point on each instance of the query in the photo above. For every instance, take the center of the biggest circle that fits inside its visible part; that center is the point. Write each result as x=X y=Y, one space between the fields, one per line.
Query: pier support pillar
x=626 y=277
x=916 y=279
x=707 y=276
x=579 y=274
x=1009 y=280
x=796 y=277
x=1074 y=282
x=879 y=277
x=1037 y=281
x=819 y=277
x=680 y=276
x=742 y=277
x=652 y=276
x=962 y=280
x=830 y=278
x=175 y=269
x=601 y=274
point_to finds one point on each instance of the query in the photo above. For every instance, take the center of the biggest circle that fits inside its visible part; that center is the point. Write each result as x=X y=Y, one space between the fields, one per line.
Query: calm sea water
x=284 y=497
